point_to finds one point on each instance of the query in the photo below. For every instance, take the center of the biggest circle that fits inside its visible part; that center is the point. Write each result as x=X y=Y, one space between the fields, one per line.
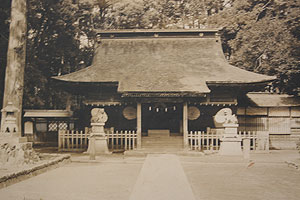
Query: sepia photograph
x=150 y=100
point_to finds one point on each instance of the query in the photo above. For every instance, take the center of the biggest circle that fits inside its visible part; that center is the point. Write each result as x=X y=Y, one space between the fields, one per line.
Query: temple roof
x=162 y=61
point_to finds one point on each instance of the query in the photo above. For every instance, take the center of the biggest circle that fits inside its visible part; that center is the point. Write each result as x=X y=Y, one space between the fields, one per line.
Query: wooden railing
x=123 y=140
x=252 y=135
x=200 y=140
x=69 y=140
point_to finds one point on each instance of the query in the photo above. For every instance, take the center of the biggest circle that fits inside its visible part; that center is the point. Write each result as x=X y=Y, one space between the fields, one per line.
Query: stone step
x=160 y=146
x=163 y=137
x=163 y=141
x=151 y=150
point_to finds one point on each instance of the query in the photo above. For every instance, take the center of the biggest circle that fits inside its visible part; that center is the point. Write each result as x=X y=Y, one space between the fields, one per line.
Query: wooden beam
x=139 y=125
x=185 y=124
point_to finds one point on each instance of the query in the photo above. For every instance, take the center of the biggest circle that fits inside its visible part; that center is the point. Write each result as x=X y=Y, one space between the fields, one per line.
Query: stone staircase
x=163 y=143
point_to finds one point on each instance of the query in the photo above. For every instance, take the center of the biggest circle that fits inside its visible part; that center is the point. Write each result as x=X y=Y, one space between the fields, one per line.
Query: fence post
x=185 y=124
x=76 y=139
x=63 y=133
x=68 y=139
x=86 y=135
x=129 y=140
x=133 y=139
x=59 y=139
x=246 y=148
x=211 y=144
x=199 y=140
x=125 y=142
x=139 y=125
x=117 y=140
x=192 y=140
x=111 y=139
x=121 y=140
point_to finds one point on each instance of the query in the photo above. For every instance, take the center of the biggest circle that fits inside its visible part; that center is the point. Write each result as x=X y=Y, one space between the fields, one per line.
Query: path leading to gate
x=162 y=177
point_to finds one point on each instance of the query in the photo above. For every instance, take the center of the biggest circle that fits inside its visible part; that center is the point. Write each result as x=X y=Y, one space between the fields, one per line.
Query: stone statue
x=98 y=115
x=224 y=116
x=230 y=118
x=98 y=139
x=230 y=141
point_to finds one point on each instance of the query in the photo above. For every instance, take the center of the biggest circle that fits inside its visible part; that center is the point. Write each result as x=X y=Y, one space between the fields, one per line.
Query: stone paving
x=162 y=177
x=265 y=176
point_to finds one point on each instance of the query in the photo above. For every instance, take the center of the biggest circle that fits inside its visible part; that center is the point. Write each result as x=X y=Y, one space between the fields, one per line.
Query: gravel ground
x=213 y=181
x=98 y=180
x=265 y=176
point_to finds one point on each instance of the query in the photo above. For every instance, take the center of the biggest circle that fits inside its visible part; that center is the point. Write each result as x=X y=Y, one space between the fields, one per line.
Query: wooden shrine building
x=160 y=82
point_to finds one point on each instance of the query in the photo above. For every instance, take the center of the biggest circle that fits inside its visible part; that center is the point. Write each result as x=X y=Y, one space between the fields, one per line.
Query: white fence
x=73 y=140
x=201 y=140
x=123 y=140
x=78 y=140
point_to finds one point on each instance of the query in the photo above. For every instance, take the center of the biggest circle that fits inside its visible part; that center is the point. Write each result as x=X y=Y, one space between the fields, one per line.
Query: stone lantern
x=9 y=126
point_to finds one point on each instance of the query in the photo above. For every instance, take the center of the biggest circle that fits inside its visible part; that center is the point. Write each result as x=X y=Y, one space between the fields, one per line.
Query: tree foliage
x=260 y=36
x=60 y=41
x=263 y=36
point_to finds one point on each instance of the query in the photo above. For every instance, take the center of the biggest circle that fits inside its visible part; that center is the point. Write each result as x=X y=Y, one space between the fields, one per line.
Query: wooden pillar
x=185 y=124
x=16 y=54
x=139 y=125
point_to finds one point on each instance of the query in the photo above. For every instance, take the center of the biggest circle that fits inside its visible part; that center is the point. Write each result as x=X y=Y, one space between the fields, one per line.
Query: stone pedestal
x=14 y=153
x=97 y=140
x=230 y=141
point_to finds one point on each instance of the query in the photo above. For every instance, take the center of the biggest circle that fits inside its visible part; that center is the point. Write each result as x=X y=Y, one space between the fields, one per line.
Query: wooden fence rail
x=69 y=140
x=201 y=140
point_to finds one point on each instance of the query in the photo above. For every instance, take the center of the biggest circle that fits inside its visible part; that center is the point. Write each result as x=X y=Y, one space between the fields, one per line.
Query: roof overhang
x=48 y=113
x=138 y=33
x=163 y=94
x=240 y=86
x=261 y=99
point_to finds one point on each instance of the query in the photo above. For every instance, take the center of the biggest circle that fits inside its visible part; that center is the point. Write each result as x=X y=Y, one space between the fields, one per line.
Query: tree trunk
x=16 y=54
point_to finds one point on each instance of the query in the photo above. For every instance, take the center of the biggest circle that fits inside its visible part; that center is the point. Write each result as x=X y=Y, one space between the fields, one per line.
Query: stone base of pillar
x=230 y=147
x=12 y=138
x=16 y=151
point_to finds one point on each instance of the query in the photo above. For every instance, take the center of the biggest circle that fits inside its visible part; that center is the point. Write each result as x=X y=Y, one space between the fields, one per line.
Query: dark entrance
x=167 y=116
